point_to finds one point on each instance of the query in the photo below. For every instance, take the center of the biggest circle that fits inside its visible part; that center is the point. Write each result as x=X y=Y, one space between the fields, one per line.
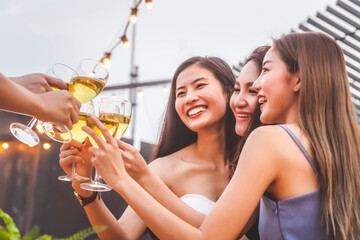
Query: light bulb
x=133 y=15
x=149 y=4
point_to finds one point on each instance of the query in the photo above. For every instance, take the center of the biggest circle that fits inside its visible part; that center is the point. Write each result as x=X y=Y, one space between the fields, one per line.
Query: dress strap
x=296 y=140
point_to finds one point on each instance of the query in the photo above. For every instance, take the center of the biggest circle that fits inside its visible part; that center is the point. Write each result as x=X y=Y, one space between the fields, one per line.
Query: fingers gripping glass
x=58 y=132
x=80 y=136
x=109 y=114
x=86 y=82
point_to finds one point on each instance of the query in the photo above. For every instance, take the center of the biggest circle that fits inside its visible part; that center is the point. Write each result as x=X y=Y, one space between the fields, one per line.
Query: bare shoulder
x=270 y=142
x=167 y=164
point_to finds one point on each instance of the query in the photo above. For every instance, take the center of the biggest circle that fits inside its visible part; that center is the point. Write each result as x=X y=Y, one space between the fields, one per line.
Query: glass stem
x=97 y=176
x=73 y=167
x=32 y=122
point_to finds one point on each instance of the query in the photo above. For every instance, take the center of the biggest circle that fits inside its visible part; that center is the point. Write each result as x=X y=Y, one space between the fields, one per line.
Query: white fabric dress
x=198 y=202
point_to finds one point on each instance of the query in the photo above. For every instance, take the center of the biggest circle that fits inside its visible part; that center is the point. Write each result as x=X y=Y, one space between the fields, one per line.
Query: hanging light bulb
x=164 y=89
x=106 y=60
x=133 y=15
x=149 y=4
x=46 y=146
x=125 y=42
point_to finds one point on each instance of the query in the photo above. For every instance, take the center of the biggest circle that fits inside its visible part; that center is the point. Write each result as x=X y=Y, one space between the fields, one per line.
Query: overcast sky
x=37 y=33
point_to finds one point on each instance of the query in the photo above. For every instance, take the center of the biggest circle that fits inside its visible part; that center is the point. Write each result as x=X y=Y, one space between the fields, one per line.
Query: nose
x=257 y=84
x=240 y=100
x=191 y=97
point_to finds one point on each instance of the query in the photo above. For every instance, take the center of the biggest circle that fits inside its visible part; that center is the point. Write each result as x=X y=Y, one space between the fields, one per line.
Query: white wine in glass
x=109 y=114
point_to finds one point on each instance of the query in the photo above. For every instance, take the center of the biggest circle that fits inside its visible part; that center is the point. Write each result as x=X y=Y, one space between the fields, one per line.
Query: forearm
x=153 y=213
x=16 y=98
x=153 y=184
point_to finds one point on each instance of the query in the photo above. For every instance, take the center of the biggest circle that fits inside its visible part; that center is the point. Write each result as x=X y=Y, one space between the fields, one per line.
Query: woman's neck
x=211 y=146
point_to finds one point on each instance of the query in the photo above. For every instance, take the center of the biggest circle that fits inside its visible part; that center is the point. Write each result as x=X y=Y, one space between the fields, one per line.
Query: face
x=277 y=90
x=200 y=99
x=244 y=98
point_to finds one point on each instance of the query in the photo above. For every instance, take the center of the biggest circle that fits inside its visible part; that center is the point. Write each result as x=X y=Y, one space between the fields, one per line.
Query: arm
x=255 y=172
x=148 y=178
x=129 y=226
x=57 y=106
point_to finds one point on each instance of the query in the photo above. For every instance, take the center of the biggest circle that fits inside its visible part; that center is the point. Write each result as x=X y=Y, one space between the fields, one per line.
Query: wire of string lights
x=123 y=39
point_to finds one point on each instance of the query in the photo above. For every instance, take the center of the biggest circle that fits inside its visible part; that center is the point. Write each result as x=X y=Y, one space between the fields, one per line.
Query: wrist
x=84 y=201
x=80 y=191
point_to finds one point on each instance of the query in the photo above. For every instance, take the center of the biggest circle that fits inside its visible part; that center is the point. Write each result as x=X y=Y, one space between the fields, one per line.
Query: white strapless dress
x=198 y=202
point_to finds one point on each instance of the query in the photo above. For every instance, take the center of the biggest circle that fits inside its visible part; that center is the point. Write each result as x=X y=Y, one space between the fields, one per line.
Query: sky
x=38 y=33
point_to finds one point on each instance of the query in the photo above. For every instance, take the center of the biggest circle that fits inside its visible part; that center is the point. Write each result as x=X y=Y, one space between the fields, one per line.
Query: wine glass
x=79 y=135
x=125 y=107
x=109 y=114
x=87 y=81
x=58 y=132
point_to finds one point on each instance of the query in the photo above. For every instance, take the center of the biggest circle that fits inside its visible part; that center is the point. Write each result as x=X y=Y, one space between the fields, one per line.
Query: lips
x=193 y=111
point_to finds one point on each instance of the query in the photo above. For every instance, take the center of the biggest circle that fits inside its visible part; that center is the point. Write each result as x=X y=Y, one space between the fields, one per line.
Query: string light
x=125 y=41
x=149 y=4
x=46 y=146
x=5 y=145
x=132 y=19
x=164 y=89
x=106 y=60
x=40 y=128
x=133 y=15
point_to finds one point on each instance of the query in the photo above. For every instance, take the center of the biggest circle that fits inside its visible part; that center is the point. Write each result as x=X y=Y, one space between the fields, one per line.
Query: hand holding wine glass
x=108 y=114
x=106 y=157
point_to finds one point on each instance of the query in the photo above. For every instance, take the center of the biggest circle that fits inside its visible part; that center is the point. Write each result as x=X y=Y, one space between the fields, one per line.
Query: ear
x=297 y=81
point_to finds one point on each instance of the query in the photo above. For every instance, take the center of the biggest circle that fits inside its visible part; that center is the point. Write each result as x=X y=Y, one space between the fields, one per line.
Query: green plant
x=11 y=232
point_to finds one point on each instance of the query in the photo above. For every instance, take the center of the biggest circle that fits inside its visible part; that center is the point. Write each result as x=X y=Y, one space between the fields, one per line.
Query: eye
x=200 y=85
x=180 y=94
x=236 y=89
x=264 y=69
x=253 y=91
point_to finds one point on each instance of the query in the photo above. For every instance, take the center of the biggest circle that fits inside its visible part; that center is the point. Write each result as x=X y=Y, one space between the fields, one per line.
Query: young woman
x=193 y=157
x=305 y=171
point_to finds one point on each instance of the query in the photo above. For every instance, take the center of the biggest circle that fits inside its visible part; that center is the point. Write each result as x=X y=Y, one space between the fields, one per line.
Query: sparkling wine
x=123 y=125
x=85 y=88
x=110 y=120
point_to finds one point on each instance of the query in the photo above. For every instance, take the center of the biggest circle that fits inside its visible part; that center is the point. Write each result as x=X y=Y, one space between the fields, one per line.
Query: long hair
x=327 y=117
x=175 y=135
x=257 y=56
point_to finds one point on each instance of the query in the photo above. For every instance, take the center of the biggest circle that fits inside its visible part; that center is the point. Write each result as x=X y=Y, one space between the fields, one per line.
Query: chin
x=240 y=131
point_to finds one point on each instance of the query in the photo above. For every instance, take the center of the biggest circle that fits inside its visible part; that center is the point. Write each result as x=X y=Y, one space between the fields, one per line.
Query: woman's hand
x=107 y=158
x=75 y=153
x=134 y=163
x=58 y=106
x=39 y=82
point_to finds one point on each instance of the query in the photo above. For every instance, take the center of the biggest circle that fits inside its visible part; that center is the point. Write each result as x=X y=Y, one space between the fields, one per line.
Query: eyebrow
x=196 y=80
x=267 y=61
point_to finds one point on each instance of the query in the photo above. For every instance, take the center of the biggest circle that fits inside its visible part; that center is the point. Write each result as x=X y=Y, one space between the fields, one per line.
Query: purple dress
x=292 y=218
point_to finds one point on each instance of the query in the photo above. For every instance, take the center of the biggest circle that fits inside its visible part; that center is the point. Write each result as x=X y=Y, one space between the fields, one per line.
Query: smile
x=243 y=115
x=262 y=100
x=196 y=110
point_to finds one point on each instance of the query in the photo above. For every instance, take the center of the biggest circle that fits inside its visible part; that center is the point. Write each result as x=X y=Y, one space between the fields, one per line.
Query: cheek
x=178 y=104
x=252 y=102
